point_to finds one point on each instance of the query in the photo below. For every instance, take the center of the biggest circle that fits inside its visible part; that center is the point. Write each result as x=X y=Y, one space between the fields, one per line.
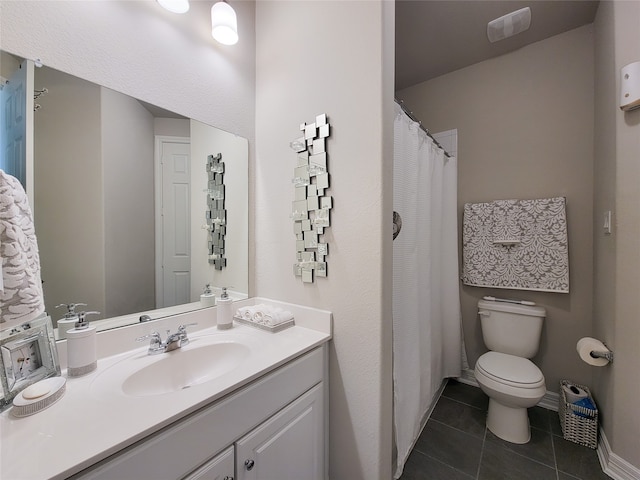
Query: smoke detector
x=509 y=25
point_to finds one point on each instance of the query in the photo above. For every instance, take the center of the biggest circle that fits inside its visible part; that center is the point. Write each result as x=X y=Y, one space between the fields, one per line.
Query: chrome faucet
x=174 y=340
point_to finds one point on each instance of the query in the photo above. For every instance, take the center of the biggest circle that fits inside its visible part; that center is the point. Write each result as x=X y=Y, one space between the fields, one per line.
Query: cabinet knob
x=248 y=464
x=228 y=478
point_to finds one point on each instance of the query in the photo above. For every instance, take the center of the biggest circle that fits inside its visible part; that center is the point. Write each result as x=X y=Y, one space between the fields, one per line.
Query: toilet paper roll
x=586 y=345
x=574 y=393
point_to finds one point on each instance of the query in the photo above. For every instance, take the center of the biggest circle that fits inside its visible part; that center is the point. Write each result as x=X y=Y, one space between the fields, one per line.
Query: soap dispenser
x=208 y=298
x=82 y=355
x=70 y=318
x=224 y=315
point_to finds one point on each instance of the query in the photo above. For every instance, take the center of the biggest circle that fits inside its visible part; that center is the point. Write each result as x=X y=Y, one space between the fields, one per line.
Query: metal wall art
x=216 y=213
x=311 y=206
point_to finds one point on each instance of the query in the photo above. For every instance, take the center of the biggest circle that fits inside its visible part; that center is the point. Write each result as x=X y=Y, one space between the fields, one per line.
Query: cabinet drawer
x=174 y=451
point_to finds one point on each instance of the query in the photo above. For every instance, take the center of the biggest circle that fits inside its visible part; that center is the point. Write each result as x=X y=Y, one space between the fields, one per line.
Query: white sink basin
x=205 y=358
x=184 y=368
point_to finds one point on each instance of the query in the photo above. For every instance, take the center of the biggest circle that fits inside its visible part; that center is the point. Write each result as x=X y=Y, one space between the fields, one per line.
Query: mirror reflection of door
x=16 y=119
x=175 y=272
x=94 y=191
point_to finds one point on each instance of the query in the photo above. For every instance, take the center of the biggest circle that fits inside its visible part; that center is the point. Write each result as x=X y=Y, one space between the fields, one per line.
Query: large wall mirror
x=119 y=198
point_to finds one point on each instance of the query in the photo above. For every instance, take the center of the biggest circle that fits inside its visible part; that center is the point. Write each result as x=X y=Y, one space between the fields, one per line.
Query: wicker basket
x=579 y=424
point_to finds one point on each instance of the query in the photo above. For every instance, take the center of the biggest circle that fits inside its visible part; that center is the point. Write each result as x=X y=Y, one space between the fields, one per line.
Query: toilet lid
x=510 y=369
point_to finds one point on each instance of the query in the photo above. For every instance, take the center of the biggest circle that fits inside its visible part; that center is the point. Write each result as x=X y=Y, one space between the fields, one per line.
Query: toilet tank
x=511 y=328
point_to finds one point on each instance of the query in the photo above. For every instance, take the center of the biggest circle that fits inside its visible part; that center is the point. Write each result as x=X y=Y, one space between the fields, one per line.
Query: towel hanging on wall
x=21 y=298
x=516 y=244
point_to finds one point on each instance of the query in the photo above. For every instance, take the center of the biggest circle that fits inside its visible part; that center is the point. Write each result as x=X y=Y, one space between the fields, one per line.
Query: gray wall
x=525 y=129
x=129 y=216
x=617 y=256
x=68 y=201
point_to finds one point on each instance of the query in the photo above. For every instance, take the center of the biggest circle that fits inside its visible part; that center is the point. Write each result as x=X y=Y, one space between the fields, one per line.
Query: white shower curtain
x=426 y=303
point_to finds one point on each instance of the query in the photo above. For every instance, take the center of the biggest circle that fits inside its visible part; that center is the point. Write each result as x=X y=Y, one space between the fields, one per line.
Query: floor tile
x=577 y=460
x=455 y=445
x=566 y=476
x=500 y=464
x=539 y=448
x=458 y=415
x=554 y=419
x=539 y=418
x=450 y=446
x=422 y=467
x=466 y=394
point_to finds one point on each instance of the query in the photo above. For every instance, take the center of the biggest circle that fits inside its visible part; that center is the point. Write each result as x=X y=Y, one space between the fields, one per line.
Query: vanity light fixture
x=224 y=23
x=175 y=6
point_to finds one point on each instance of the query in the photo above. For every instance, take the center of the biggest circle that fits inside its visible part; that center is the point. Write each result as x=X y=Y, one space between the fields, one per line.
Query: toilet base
x=508 y=423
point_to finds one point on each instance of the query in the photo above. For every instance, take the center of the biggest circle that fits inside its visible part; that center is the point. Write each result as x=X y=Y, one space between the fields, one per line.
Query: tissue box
x=579 y=422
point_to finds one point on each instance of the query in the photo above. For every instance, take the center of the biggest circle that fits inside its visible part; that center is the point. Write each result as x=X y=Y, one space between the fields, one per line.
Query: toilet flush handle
x=484 y=313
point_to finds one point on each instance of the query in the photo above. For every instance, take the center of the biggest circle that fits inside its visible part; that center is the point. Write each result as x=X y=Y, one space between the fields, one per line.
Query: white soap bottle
x=208 y=298
x=82 y=352
x=224 y=314
x=70 y=318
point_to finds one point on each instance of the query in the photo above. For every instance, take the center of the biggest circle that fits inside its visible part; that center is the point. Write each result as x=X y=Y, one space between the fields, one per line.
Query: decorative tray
x=267 y=328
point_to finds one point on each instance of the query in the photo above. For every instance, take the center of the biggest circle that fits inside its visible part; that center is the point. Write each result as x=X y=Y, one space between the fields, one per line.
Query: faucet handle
x=148 y=335
x=155 y=343
x=183 y=328
x=182 y=331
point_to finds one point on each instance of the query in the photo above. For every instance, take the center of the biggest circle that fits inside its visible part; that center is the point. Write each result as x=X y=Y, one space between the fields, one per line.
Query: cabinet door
x=219 y=467
x=290 y=445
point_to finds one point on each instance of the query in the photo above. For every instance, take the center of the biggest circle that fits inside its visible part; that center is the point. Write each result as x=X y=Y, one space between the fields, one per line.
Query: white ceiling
x=434 y=37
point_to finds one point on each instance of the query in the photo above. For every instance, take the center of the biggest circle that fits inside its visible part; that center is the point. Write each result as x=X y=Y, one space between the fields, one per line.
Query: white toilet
x=512 y=382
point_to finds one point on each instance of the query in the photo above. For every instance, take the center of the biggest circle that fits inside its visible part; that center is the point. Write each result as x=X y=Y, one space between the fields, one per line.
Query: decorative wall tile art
x=216 y=214
x=311 y=205
x=516 y=244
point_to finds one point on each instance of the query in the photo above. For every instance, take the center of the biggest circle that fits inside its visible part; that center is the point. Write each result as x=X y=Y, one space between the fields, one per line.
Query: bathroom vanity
x=236 y=404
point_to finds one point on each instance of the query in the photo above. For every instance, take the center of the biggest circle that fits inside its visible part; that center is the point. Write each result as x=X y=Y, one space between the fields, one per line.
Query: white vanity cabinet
x=221 y=467
x=276 y=423
x=287 y=446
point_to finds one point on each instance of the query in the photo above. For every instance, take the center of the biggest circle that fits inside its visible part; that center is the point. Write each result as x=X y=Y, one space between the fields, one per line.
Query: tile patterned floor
x=456 y=445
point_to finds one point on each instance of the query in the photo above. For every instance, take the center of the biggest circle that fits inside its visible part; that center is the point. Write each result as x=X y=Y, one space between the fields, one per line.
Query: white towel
x=21 y=297
x=265 y=314
x=245 y=313
x=277 y=317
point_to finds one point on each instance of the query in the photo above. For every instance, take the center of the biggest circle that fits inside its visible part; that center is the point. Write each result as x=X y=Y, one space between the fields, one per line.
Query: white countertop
x=95 y=419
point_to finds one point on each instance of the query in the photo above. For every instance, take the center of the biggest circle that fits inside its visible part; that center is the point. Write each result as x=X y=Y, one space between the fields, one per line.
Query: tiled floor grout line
x=461 y=402
x=553 y=450
x=455 y=428
x=484 y=439
x=445 y=463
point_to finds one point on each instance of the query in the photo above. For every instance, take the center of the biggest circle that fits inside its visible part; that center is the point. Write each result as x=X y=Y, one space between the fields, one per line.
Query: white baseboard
x=550 y=401
x=613 y=465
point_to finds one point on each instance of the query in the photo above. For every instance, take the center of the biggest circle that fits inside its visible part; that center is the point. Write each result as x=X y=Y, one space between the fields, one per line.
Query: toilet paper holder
x=608 y=354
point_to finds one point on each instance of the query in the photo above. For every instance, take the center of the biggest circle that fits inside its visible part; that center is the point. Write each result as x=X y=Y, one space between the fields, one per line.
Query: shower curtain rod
x=409 y=114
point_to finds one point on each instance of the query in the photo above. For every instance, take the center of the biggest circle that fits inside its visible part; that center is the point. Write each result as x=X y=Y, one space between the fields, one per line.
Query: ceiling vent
x=509 y=25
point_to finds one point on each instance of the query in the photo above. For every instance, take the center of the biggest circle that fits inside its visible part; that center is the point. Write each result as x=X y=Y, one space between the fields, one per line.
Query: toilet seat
x=510 y=370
